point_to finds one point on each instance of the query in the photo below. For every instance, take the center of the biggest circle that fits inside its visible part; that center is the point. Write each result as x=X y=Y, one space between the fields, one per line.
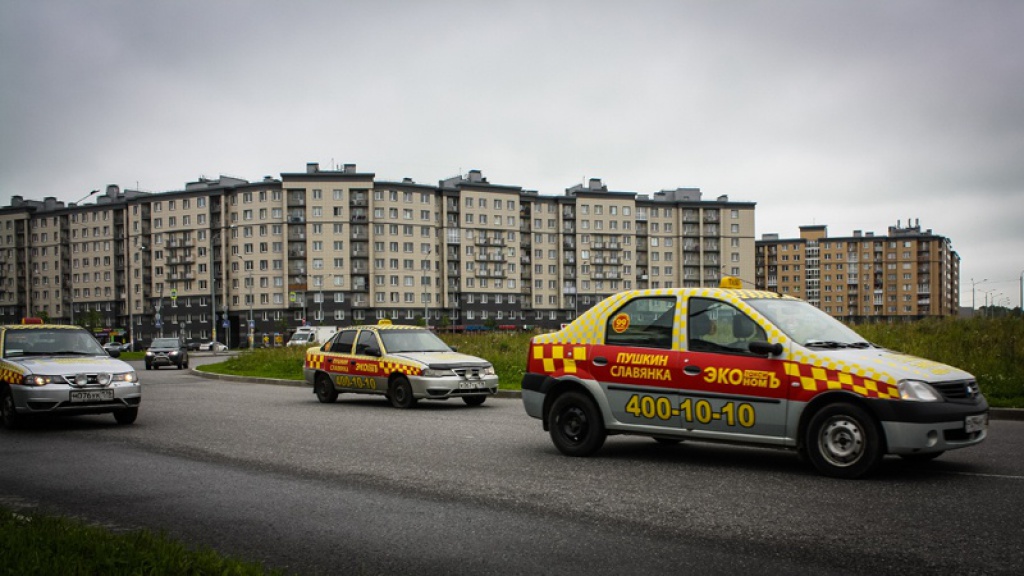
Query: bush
x=992 y=349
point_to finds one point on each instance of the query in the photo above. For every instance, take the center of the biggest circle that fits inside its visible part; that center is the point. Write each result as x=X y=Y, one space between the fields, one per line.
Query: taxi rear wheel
x=575 y=425
x=400 y=393
x=843 y=441
x=326 y=393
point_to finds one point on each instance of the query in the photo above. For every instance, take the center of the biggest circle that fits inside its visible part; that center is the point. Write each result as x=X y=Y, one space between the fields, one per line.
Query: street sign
x=252 y=324
x=159 y=324
x=225 y=324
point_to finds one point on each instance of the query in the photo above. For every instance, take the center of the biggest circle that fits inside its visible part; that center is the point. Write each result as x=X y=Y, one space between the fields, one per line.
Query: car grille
x=958 y=390
x=469 y=373
x=87 y=380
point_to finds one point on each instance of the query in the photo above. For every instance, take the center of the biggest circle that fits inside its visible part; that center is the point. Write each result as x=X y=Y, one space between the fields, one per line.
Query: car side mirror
x=765 y=348
x=114 y=353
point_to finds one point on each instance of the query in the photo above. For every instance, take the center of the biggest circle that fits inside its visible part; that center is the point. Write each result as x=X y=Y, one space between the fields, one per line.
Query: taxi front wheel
x=575 y=424
x=9 y=417
x=843 y=441
x=400 y=393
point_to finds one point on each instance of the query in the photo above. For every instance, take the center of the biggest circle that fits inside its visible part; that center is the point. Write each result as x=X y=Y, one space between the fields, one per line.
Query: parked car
x=113 y=348
x=167 y=352
x=192 y=345
x=213 y=346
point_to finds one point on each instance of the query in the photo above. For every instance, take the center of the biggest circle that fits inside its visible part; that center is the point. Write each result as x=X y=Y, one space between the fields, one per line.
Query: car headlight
x=149 y=353
x=129 y=377
x=42 y=380
x=437 y=373
x=489 y=371
x=917 y=391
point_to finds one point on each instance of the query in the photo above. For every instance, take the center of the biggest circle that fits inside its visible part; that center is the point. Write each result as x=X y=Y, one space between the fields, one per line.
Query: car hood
x=444 y=359
x=883 y=365
x=72 y=364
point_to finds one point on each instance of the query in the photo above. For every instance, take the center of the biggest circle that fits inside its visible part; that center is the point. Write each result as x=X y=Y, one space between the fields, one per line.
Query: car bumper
x=164 y=360
x=452 y=387
x=927 y=427
x=58 y=399
x=924 y=438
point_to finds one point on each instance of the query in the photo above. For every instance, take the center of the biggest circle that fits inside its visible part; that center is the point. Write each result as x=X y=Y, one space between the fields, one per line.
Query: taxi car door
x=367 y=374
x=637 y=366
x=339 y=360
x=727 y=390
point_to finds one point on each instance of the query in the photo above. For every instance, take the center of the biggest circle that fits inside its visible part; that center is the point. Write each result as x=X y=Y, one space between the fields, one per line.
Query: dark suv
x=167 y=352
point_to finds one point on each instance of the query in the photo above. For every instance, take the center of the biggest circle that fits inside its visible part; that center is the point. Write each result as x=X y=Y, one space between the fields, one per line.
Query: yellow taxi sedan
x=402 y=363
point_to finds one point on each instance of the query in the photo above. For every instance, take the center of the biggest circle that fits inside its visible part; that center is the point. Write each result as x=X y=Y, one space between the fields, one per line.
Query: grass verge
x=992 y=349
x=39 y=544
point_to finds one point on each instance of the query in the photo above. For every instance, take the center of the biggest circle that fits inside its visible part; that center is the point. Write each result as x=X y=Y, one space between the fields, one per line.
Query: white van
x=312 y=335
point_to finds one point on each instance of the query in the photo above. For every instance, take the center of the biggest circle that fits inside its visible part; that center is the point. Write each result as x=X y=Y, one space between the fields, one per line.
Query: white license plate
x=91 y=395
x=468 y=386
x=975 y=423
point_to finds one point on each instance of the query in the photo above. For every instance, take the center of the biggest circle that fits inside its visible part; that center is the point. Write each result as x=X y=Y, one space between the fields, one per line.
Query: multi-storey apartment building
x=908 y=274
x=229 y=258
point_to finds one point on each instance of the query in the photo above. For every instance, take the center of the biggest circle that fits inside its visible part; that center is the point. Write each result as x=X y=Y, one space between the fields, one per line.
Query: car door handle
x=600 y=361
x=692 y=370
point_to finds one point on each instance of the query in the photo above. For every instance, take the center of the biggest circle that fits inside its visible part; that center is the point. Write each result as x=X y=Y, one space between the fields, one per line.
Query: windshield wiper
x=73 y=353
x=861 y=345
x=825 y=344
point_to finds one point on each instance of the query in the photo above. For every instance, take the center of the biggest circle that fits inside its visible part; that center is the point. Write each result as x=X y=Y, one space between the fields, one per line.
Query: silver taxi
x=56 y=369
x=402 y=363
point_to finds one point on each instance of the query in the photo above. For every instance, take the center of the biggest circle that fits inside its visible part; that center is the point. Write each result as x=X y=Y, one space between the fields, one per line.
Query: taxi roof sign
x=32 y=320
x=384 y=322
x=731 y=283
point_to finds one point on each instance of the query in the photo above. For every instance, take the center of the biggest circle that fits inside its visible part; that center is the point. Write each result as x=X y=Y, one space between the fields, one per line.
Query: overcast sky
x=854 y=114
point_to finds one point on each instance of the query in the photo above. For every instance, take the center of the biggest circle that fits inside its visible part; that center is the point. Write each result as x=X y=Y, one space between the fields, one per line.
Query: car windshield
x=807 y=325
x=50 y=342
x=398 y=341
x=165 y=343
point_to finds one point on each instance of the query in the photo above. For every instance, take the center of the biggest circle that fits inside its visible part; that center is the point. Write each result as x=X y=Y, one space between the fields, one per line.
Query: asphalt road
x=267 y=473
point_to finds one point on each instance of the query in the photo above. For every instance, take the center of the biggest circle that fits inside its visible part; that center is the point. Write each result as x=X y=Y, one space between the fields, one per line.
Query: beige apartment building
x=908 y=274
x=226 y=258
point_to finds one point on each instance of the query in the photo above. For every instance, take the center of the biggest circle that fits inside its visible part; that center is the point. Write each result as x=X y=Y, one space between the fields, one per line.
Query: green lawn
x=990 y=348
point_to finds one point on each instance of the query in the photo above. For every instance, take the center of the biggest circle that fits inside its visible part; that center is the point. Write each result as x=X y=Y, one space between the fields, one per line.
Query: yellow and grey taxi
x=403 y=363
x=56 y=369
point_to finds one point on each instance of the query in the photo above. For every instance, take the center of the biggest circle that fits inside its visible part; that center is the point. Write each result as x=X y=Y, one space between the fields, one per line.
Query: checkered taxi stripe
x=10 y=374
x=814 y=379
x=323 y=361
x=559 y=359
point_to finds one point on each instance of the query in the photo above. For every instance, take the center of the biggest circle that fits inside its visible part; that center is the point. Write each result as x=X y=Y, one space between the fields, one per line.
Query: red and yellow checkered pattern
x=814 y=379
x=557 y=358
x=316 y=361
x=391 y=367
x=10 y=374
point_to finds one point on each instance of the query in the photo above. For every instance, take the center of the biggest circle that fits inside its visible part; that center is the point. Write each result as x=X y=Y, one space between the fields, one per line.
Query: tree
x=91 y=320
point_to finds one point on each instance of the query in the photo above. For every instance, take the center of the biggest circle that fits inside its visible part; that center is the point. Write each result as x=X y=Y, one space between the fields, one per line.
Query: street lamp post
x=426 y=288
x=71 y=291
x=1022 y=293
x=320 y=316
x=251 y=324
x=973 y=283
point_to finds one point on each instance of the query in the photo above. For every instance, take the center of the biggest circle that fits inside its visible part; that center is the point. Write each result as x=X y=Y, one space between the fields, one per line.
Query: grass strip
x=36 y=544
